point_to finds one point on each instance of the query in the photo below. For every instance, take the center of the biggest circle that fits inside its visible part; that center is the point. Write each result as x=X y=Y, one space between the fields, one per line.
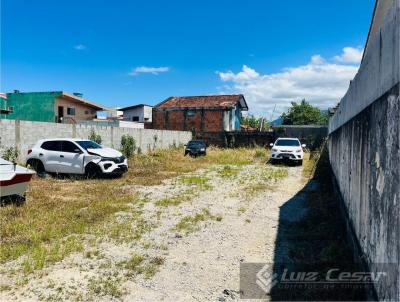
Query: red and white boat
x=14 y=179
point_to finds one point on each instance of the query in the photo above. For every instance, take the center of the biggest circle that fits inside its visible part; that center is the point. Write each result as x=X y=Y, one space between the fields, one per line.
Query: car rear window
x=196 y=144
x=51 y=145
x=287 y=143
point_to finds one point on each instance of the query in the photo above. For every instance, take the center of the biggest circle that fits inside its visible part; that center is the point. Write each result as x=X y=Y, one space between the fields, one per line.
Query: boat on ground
x=14 y=180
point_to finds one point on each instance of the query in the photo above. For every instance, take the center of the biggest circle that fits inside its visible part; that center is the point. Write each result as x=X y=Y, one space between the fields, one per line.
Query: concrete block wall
x=364 y=151
x=378 y=73
x=7 y=134
x=365 y=158
x=24 y=134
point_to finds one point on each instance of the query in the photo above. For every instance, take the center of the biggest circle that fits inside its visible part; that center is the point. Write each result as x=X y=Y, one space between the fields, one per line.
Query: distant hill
x=277 y=122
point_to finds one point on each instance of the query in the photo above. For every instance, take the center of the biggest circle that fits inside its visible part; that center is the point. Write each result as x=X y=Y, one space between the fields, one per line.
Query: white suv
x=75 y=156
x=287 y=149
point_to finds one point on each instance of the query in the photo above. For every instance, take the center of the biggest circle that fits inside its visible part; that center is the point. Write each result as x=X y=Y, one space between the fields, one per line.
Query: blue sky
x=119 y=53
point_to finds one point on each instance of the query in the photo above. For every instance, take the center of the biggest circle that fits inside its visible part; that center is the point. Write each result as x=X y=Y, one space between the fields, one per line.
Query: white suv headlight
x=273 y=149
x=299 y=150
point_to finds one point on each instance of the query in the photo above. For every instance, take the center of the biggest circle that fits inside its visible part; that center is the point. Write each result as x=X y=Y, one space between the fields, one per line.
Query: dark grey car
x=196 y=148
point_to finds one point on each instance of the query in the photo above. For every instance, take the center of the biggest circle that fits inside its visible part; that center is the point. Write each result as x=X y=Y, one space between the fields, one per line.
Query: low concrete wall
x=311 y=135
x=365 y=158
x=24 y=134
x=237 y=138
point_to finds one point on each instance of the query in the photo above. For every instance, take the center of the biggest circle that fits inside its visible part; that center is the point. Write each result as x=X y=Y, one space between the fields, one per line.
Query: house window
x=71 y=111
x=86 y=111
x=191 y=113
x=135 y=118
x=146 y=119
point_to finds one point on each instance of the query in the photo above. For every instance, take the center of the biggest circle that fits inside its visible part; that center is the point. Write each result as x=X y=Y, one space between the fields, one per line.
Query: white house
x=138 y=113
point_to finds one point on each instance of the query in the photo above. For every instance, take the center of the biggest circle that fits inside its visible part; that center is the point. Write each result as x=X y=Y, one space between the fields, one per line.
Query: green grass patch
x=176 y=200
x=190 y=224
x=105 y=286
x=199 y=181
x=241 y=210
x=139 y=264
x=228 y=171
x=274 y=173
x=4 y=287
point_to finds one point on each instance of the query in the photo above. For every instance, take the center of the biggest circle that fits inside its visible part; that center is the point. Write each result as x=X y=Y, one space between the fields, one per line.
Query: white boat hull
x=14 y=179
x=16 y=189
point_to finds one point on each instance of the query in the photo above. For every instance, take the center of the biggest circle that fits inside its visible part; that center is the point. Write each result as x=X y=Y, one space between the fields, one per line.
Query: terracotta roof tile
x=210 y=101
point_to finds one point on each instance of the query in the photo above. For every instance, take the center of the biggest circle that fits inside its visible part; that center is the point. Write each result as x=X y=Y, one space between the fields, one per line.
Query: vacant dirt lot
x=181 y=237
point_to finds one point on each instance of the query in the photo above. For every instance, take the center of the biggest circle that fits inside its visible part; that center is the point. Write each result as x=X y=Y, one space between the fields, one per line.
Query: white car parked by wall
x=75 y=156
x=287 y=149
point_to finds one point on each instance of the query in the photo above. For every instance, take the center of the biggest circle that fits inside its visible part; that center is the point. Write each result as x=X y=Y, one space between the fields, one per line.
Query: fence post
x=112 y=136
x=18 y=137
x=74 y=130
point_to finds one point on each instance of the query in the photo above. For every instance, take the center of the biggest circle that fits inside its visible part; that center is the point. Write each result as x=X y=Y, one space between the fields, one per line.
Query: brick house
x=214 y=113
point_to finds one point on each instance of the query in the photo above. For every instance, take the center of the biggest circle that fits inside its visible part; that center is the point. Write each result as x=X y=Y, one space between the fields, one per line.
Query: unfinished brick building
x=214 y=113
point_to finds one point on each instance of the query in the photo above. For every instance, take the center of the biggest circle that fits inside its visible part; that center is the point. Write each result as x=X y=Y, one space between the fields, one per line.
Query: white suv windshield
x=88 y=145
x=287 y=143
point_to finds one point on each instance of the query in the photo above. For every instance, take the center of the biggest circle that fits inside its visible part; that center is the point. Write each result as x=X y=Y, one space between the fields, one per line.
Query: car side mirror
x=271 y=144
x=78 y=151
x=303 y=145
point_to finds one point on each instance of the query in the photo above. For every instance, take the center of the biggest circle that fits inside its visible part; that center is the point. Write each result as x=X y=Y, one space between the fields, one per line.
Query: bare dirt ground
x=192 y=234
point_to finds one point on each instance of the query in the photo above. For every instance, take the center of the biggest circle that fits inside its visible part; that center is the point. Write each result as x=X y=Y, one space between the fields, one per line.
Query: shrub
x=93 y=136
x=155 y=138
x=11 y=154
x=128 y=145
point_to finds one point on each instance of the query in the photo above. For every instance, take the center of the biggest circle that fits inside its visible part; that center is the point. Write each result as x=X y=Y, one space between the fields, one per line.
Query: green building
x=54 y=106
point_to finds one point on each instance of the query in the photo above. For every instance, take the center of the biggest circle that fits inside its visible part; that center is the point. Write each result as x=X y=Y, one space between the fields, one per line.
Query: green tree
x=11 y=154
x=304 y=114
x=128 y=145
x=254 y=122
x=93 y=136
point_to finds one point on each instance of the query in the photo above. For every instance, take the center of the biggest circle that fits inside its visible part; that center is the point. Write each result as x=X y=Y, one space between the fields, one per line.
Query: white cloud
x=321 y=82
x=146 y=69
x=80 y=47
x=350 y=55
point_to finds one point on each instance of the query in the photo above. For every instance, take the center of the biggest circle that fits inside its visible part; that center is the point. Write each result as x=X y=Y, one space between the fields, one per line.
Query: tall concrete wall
x=365 y=158
x=364 y=150
x=24 y=134
x=378 y=73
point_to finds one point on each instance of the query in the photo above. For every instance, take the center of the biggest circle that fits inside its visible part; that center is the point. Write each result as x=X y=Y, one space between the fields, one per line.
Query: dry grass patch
x=55 y=209
x=59 y=213
x=152 y=168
